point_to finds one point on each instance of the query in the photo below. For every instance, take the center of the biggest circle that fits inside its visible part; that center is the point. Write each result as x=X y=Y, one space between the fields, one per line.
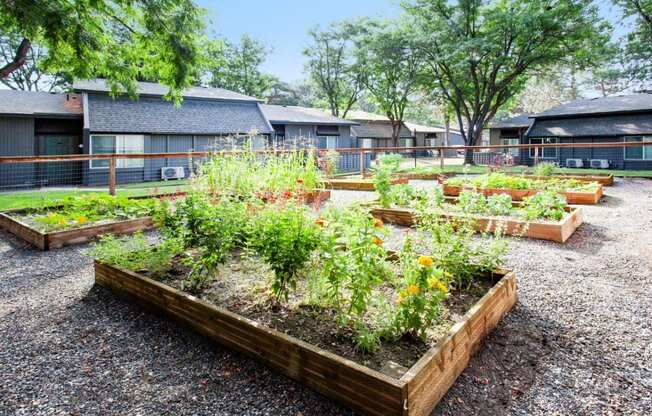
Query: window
x=546 y=152
x=638 y=152
x=330 y=141
x=510 y=141
x=258 y=143
x=407 y=142
x=117 y=144
x=366 y=143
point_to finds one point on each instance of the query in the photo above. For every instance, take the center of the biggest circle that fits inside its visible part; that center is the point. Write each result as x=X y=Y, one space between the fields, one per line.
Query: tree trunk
x=475 y=138
x=396 y=131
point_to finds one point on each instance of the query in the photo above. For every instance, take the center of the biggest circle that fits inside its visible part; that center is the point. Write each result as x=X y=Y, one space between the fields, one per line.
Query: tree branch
x=19 y=60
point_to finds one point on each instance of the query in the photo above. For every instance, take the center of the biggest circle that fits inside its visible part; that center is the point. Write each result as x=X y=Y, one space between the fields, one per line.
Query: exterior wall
x=615 y=156
x=17 y=139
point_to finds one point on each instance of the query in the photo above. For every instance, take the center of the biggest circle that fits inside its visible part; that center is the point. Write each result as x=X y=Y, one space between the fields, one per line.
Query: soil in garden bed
x=242 y=286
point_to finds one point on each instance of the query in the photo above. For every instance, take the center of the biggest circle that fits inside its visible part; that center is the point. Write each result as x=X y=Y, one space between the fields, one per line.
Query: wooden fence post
x=441 y=160
x=112 y=176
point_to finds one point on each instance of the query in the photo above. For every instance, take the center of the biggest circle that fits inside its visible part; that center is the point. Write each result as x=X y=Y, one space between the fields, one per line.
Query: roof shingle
x=631 y=124
x=287 y=114
x=31 y=103
x=601 y=105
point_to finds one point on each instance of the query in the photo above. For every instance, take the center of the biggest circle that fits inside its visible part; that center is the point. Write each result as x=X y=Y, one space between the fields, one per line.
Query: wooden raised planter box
x=367 y=391
x=553 y=231
x=572 y=198
x=604 y=180
x=358 y=184
x=57 y=239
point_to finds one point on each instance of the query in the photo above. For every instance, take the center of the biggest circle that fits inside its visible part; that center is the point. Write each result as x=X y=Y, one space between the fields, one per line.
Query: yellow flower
x=378 y=223
x=435 y=283
x=413 y=289
x=401 y=297
x=425 y=261
x=81 y=219
x=377 y=241
x=62 y=221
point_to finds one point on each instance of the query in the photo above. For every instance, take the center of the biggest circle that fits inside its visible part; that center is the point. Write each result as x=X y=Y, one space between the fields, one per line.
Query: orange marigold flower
x=378 y=223
x=300 y=181
x=321 y=222
x=413 y=289
x=435 y=283
x=377 y=241
x=425 y=261
x=81 y=219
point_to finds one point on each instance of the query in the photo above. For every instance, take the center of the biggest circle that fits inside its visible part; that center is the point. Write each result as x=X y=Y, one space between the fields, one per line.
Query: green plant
x=390 y=161
x=211 y=228
x=497 y=180
x=546 y=204
x=471 y=202
x=383 y=186
x=500 y=204
x=545 y=169
x=136 y=253
x=406 y=195
x=286 y=237
x=423 y=287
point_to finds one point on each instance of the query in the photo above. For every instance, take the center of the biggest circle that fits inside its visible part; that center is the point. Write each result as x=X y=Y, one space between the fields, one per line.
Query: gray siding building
x=626 y=118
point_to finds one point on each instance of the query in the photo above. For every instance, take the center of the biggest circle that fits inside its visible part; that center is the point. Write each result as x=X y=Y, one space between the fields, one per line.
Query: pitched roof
x=520 y=121
x=155 y=115
x=287 y=114
x=419 y=128
x=601 y=105
x=31 y=103
x=377 y=130
x=157 y=90
x=614 y=125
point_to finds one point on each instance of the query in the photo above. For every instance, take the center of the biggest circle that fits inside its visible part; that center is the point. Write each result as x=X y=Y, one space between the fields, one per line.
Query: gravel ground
x=578 y=342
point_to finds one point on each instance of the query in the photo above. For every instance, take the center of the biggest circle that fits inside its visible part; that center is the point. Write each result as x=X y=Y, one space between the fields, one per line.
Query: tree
x=638 y=50
x=480 y=55
x=392 y=69
x=120 y=39
x=30 y=76
x=236 y=67
x=301 y=94
x=332 y=68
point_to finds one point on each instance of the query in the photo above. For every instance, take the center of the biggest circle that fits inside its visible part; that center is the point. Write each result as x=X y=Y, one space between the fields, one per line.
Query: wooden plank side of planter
x=59 y=239
x=552 y=231
x=23 y=231
x=604 y=180
x=358 y=387
x=358 y=185
x=431 y=377
x=573 y=198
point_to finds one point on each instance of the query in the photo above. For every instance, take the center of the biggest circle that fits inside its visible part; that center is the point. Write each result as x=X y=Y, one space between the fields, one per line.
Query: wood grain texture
x=358 y=184
x=573 y=198
x=552 y=231
x=364 y=390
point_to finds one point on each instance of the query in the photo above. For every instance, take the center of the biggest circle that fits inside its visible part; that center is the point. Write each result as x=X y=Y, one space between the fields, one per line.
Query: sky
x=283 y=25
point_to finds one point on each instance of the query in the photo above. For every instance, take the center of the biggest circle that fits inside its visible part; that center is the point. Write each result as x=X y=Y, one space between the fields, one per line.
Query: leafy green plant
x=547 y=204
x=383 y=186
x=545 y=169
x=471 y=202
x=135 y=253
x=497 y=180
x=405 y=195
x=423 y=287
x=286 y=237
x=83 y=210
x=500 y=204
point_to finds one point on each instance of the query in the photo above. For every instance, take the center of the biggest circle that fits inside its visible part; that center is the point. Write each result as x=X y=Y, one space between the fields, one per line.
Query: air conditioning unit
x=599 y=163
x=574 y=163
x=173 y=172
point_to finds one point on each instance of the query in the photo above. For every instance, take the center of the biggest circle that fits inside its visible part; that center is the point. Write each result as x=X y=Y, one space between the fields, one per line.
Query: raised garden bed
x=573 y=198
x=357 y=184
x=558 y=231
x=13 y=222
x=604 y=180
x=415 y=391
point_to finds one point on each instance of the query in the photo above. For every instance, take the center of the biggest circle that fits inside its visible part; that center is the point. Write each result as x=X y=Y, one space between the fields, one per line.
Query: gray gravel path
x=579 y=341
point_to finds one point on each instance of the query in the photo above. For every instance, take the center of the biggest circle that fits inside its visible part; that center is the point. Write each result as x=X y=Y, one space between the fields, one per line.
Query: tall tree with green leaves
x=237 y=67
x=638 y=50
x=392 y=68
x=31 y=76
x=331 y=67
x=480 y=54
x=121 y=40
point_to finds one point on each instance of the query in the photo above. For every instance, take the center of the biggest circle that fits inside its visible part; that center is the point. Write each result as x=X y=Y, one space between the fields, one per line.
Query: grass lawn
x=29 y=199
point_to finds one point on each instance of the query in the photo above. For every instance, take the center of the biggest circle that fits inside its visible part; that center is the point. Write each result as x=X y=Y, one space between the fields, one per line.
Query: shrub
x=545 y=204
x=545 y=169
x=500 y=204
x=471 y=202
x=286 y=238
